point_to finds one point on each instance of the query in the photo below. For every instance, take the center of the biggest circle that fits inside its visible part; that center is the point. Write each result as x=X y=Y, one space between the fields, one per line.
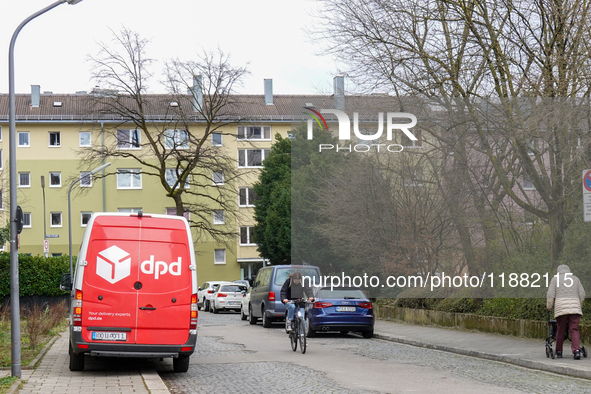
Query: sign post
x=587 y=195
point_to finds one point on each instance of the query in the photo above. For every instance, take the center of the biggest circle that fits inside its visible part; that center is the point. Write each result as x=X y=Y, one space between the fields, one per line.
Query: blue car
x=341 y=309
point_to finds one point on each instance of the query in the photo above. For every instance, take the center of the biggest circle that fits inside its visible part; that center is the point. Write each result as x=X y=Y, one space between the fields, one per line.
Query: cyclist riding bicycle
x=294 y=289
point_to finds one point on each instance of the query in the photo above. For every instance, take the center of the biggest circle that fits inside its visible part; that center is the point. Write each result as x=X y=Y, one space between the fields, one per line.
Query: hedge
x=38 y=275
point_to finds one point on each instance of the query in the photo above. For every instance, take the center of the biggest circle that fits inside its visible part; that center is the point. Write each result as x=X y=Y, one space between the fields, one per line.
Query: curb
x=494 y=357
x=15 y=386
x=33 y=364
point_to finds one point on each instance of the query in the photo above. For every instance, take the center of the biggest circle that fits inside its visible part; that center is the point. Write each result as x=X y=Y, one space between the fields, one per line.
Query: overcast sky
x=52 y=50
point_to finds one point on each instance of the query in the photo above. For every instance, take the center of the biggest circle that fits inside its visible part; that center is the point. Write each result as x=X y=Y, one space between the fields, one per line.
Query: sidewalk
x=53 y=376
x=529 y=353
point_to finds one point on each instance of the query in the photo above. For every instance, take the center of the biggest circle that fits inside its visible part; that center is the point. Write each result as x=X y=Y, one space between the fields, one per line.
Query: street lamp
x=69 y=210
x=15 y=328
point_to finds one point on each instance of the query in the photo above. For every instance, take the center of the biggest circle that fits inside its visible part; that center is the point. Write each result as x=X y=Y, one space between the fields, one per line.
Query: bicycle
x=298 y=327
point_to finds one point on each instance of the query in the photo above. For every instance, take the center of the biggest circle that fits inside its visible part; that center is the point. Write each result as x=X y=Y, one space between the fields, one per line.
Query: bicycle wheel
x=293 y=336
x=302 y=335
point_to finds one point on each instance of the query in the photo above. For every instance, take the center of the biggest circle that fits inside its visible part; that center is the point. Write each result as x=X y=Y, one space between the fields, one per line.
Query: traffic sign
x=587 y=195
x=52 y=236
x=45 y=246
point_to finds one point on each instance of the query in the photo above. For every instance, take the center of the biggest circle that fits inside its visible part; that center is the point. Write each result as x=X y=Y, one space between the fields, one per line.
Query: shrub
x=38 y=275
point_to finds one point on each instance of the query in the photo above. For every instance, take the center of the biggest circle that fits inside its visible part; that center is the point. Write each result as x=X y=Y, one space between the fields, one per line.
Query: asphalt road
x=233 y=356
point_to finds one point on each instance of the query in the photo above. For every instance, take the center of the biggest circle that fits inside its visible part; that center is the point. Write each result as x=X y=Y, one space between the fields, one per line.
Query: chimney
x=35 y=95
x=269 y=91
x=339 y=92
x=197 y=93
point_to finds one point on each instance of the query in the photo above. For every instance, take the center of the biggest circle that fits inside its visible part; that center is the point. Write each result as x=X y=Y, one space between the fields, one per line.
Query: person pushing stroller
x=566 y=295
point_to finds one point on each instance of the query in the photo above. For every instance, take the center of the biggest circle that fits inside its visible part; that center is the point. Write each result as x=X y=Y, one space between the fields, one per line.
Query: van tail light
x=321 y=305
x=220 y=295
x=271 y=296
x=193 y=321
x=77 y=311
x=367 y=305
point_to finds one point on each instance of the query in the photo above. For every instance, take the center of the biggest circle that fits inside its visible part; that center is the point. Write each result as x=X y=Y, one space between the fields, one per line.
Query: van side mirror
x=66 y=284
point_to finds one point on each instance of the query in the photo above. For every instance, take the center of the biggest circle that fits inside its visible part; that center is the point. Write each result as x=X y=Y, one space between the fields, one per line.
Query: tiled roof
x=89 y=107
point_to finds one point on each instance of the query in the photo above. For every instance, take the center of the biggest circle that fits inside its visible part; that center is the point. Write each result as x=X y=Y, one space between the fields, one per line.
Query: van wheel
x=309 y=332
x=251 y=319
x=181 y=363
x=266 y=320
x=242 y=315
x=76 y=360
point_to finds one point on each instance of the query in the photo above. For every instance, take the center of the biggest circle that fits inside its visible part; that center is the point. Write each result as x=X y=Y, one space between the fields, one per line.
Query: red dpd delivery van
x=134 y=291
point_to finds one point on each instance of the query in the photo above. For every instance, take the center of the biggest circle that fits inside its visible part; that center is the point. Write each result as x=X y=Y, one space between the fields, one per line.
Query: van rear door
x=109 y=310
x=164 y=281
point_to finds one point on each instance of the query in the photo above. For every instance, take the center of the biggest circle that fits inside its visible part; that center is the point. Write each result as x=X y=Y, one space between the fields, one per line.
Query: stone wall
x=463 y=321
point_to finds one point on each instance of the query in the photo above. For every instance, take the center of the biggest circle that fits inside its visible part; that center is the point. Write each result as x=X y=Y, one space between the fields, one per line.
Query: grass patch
x=53 y=321
x=6 y=382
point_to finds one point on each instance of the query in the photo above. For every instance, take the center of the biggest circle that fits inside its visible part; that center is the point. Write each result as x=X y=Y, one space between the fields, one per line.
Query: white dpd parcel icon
x=113 y=264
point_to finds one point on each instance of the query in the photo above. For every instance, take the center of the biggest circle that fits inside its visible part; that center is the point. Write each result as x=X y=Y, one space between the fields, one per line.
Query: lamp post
x=70 y=214
x=15 y=329
x=44 y=220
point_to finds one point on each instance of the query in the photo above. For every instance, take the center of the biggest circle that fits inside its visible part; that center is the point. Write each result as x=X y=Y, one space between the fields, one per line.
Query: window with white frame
x=176 y=139
x=1 y=159
x=54 y=138
x=252 y=157
x=24 y=179
x=528 y=183
x=414 y=177
x=216 y=139
x=55 y=179
x=129 y=178
x=171 y=177
x=84 y=139
x=23 y=139
x=219 y=216
x=128 y=139
x=172 y=212
x=55 y=219
x=0 y=133
x=129 y=210
x=218 y=177
x=85 y=218
x=246 y=235
x=219 y=256
x=246 y=196
x=407 y=142
x=27 y=219
x=254 y=132
x=85 y=179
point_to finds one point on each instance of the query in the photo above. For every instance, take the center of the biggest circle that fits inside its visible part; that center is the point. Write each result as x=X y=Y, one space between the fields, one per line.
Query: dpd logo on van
x=158 y=268
x=113 y=264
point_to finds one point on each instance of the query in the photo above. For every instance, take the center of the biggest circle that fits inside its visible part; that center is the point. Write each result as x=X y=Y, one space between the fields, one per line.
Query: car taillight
x=322 y=304
x=220 y=295
x=209 y=291
x=271 y=296
x=77 y=311
x=193 y=321
x=367 y=305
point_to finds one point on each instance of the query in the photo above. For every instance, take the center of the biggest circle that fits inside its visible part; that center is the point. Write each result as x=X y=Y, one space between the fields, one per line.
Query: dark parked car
x=341 y=309
x=264 y=296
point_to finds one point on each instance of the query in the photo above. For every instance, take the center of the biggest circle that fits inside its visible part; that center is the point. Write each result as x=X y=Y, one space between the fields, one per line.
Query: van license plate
x=109 y=336
x=346 y=309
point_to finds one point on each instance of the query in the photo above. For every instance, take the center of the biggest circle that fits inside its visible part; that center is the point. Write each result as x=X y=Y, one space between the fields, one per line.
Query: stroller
x=551 y=338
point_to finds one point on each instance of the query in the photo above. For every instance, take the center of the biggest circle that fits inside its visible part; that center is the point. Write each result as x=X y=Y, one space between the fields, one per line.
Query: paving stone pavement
x=53 y=375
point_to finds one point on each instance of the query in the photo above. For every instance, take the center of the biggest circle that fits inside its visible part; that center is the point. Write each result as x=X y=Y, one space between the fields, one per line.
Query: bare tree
x=170 y=135
x=458 y=53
